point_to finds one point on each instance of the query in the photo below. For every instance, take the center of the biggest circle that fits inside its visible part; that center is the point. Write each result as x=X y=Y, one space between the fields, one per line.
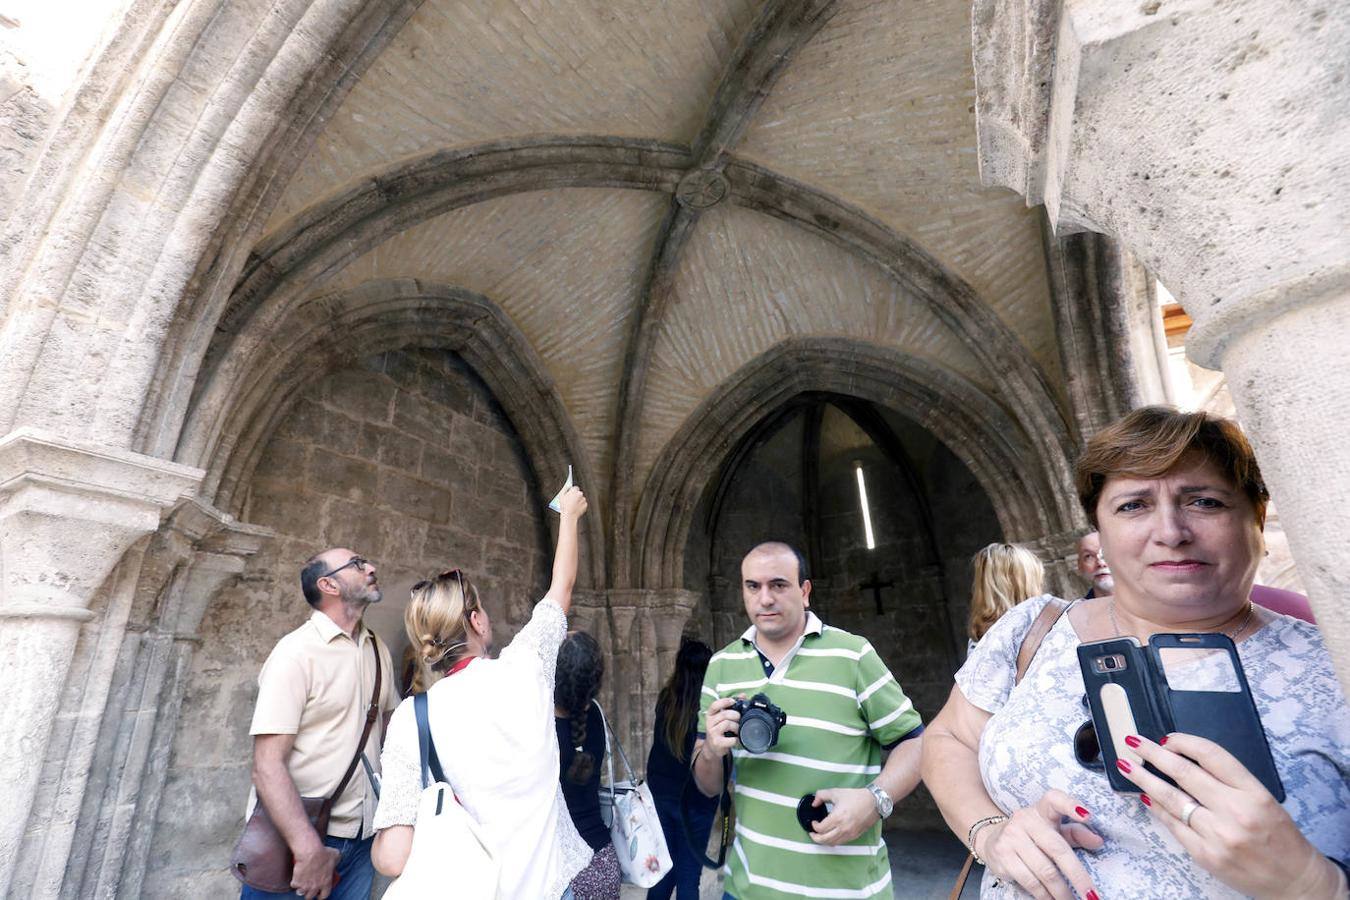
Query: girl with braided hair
x=581 y=752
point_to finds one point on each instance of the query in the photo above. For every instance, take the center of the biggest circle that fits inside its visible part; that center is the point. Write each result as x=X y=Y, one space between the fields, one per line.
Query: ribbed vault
x=287 y=270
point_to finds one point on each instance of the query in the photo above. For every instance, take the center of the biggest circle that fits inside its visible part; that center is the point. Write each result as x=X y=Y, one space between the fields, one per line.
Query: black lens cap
x=806 y=813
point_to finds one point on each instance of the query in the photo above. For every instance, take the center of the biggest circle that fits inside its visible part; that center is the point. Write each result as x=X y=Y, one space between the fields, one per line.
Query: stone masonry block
x=454 y=392
x=400 y=450
x=340 y=476
x=403 y=369
x=284 y=460
x=418 y=416
x=351 y=525
x=402 y=538
x=458 y=474
x=476 y=517
x=296 y=514
x=360 y=394
x=446 y=547
x=409 y=496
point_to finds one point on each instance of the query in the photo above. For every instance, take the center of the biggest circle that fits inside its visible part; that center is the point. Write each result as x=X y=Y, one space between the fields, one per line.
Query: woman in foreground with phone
x=1179 y=504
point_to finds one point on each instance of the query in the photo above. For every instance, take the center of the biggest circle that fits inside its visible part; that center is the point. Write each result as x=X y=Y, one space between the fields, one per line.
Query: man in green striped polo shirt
x=844 y=708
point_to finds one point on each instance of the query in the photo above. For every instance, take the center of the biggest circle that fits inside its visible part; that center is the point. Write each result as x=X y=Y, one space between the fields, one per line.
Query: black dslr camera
x=760 y=722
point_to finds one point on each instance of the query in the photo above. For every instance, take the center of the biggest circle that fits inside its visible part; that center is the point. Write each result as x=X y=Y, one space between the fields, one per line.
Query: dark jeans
x=355 y=872
x=682 y=880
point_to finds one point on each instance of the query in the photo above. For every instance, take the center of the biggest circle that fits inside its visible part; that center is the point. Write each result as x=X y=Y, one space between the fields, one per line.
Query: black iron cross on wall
x=876 y=585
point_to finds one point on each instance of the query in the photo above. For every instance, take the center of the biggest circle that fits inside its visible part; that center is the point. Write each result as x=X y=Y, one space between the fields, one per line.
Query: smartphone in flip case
x=1191 y=683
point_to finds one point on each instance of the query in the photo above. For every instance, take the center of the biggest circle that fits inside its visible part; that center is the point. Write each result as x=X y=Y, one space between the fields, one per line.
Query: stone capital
x=674 y=600
x=219 y=546
x=68 y=512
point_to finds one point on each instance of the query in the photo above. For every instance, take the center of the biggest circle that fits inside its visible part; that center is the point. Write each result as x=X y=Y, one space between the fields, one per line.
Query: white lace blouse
x=1027 y=749
x=492 y=724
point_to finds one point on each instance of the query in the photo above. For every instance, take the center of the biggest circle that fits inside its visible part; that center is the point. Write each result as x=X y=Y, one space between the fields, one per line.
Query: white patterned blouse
x=1027 y=748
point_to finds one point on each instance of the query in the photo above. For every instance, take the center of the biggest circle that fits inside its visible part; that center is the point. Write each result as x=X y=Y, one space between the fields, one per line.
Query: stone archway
x=1026 y=492
x=237 y=407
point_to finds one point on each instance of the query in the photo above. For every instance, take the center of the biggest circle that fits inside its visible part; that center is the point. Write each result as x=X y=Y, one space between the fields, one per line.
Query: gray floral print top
x=1027 y=749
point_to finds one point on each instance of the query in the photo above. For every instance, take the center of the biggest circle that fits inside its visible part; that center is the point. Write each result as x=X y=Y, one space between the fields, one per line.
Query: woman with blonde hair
x=492 y=728
x=1005 y=575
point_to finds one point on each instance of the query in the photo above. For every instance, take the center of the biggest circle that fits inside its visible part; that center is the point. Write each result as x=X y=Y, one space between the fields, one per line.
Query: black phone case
x=1229 y=718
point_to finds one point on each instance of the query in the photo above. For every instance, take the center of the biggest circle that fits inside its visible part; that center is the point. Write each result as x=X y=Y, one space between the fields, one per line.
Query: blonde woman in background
x=492 y=728
x=1005 y=575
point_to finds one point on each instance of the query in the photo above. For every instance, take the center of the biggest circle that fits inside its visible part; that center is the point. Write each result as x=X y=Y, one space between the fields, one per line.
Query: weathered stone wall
x=405 y=458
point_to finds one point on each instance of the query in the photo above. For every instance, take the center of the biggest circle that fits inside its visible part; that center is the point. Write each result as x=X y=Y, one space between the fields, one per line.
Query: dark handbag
x=261 y=858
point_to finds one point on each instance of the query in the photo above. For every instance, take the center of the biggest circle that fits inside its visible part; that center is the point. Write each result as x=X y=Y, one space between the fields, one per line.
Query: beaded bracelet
x=975 y=829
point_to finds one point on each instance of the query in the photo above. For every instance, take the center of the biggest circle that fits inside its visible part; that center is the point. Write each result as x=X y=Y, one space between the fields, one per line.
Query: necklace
x=1233 y=635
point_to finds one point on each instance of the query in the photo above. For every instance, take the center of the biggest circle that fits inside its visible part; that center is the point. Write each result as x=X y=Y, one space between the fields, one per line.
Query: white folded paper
x=556 y=503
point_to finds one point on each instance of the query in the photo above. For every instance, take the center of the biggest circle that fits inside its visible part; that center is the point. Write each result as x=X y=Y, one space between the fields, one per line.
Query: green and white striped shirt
x=843 y=706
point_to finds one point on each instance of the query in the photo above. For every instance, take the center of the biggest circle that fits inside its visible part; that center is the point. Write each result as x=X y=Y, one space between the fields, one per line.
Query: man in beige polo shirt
x=313 y=693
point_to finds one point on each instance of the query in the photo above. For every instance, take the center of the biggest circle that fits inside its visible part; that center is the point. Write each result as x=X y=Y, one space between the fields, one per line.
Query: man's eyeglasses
x=359 y=561
x=1086 y=748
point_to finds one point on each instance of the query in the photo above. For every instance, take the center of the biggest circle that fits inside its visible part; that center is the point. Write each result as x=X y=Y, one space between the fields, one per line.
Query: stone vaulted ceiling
x=840 y=198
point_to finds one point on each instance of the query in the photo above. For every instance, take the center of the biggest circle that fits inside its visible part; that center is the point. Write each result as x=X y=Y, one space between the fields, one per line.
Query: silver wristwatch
x=883 y=800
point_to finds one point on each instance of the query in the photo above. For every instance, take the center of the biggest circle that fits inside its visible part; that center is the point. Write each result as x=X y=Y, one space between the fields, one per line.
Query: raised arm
x=573 y=503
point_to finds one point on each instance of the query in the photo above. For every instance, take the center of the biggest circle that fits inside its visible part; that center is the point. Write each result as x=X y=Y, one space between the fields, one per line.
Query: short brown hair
x=1153 y=440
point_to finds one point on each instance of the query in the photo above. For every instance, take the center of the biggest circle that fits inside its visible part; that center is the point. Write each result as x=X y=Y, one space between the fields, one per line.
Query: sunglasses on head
x=428 y=582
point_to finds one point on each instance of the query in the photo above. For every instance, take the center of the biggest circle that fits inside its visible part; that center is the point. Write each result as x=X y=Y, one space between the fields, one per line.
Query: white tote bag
x=448 y=847
x=634 y=827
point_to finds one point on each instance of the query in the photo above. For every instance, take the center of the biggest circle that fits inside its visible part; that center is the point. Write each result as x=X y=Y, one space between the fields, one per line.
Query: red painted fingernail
x=1145 y=799
x=1163 y=739
x=1082 y=813
x=1091 y=895
x=1131 y=740
x=1123 y=766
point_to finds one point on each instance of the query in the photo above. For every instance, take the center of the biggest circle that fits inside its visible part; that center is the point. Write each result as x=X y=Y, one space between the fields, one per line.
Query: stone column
x=197 y=553
x=68 y=513
x=1287 y=372
x=1208 y=136
x=647 y=629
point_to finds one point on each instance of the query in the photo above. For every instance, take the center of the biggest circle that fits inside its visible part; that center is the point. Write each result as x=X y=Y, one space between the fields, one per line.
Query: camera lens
x=756 y=732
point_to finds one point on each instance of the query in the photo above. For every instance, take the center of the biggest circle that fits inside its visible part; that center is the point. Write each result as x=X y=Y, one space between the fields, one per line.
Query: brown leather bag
x=261 y=858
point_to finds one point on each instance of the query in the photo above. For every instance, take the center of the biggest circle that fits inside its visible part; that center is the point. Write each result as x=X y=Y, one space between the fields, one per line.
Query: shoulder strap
x=426 y=750
x=618 y=745
x=723 y=806
x=961 y=879
x=372 y=713
x=1036 y=633
x=609 y=757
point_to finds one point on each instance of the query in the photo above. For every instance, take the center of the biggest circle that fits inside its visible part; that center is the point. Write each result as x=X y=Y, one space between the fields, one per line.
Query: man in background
x=314 y=694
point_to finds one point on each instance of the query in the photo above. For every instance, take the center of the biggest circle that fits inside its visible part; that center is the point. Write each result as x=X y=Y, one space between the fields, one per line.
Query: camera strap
x=724 y=807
